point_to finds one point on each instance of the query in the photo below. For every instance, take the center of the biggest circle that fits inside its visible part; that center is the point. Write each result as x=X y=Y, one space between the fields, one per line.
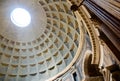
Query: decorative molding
x=93 y=36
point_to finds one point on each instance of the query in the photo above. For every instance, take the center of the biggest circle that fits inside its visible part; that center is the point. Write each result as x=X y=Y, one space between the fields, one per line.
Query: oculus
x=20 y=17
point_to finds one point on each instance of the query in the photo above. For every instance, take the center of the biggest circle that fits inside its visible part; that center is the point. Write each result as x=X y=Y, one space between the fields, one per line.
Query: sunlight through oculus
x=20 y=17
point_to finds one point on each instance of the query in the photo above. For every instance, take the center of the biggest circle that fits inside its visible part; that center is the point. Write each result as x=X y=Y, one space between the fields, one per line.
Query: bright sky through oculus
x=20 y=17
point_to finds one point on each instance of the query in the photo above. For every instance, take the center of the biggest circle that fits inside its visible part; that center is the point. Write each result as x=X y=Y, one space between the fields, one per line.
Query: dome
x=42 y=49
x=59 y=40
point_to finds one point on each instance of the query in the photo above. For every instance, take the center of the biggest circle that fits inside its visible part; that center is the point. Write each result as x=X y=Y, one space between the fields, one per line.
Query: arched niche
x=86 y=61
x=90 y=71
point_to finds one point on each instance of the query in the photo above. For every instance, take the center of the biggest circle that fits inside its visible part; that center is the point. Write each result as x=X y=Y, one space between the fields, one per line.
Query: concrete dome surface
x=44 y=48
